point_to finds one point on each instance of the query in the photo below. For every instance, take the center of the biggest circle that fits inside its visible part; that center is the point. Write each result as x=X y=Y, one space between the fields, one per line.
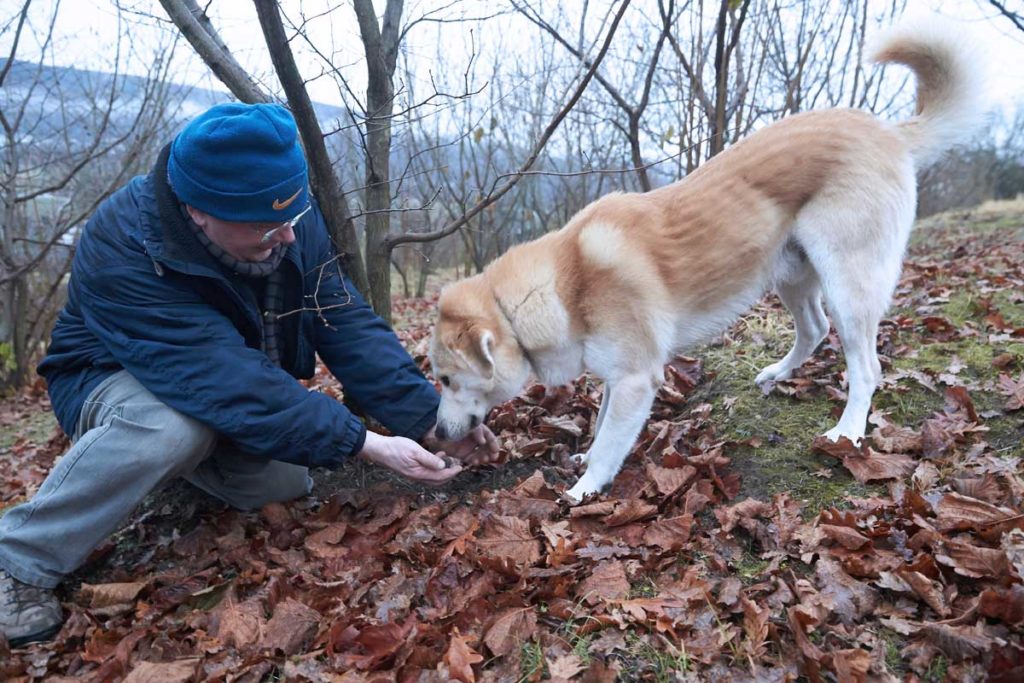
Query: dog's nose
x=473 y=421
x=441 y=432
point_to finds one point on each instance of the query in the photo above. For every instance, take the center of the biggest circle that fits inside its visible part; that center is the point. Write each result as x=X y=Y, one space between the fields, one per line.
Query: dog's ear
x=481 y=350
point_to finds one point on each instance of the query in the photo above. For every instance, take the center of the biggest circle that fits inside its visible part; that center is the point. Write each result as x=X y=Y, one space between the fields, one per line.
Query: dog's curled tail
x=950 y=83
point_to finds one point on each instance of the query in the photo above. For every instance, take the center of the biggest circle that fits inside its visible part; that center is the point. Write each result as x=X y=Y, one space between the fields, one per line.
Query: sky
x=86 y=30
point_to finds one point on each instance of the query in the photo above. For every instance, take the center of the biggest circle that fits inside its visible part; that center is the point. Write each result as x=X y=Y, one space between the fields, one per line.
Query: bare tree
x=381 y=43
x=197 y=28
x=633 y=111
x=69 y=140
x=1015 y=15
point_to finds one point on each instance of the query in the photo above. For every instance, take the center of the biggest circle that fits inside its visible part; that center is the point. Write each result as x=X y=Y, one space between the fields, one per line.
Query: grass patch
x=785 y=426
x=650 y=663
x=37 y=427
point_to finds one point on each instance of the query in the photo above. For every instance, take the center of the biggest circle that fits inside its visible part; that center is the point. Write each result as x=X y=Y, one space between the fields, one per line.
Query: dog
x=818 y=206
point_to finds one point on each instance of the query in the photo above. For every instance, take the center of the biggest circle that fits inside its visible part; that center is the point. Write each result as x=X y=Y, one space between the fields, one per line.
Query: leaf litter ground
x=733 y=545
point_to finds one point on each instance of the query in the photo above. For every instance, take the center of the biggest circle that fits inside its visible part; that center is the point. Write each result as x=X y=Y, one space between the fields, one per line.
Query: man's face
x=250 y=242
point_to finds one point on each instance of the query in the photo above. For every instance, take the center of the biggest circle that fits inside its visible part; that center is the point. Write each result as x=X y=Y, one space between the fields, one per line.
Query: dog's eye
x=445 y=381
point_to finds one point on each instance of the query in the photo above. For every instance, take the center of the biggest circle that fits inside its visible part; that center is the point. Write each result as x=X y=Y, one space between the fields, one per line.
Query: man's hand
x=408 y=458
x=479 y=447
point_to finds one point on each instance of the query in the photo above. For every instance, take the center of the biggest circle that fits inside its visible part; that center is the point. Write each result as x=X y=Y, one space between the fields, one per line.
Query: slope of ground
x=733 y=546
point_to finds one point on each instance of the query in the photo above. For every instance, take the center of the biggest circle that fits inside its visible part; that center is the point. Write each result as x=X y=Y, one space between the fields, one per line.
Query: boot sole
x=38 y=636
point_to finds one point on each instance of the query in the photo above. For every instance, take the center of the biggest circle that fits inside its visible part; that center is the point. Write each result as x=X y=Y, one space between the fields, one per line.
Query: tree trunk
x=381 y=46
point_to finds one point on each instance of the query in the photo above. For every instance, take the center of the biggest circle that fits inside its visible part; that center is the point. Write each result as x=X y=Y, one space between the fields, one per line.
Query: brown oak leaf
x=460 y=658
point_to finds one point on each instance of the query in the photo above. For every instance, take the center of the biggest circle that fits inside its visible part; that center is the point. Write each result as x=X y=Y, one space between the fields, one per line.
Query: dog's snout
x=473 y=421
x=441 y=432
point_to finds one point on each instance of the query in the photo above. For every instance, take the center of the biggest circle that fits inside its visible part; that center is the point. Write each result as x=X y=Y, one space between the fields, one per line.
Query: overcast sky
x=86 y=30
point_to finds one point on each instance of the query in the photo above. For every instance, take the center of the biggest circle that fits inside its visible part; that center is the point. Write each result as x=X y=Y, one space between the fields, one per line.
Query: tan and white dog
x=818 y=205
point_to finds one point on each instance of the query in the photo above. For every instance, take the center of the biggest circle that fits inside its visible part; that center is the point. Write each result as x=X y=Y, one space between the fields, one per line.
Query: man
x=198 y=294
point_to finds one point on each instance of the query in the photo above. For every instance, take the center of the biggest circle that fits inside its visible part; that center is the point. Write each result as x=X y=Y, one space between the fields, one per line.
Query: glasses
x=267 y=234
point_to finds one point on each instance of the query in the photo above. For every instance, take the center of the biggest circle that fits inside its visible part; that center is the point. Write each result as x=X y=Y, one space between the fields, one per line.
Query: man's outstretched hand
x=408 y=458
x=479 y=447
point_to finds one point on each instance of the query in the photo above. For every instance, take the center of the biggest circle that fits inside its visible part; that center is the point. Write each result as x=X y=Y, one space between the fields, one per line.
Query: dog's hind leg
x=622 y=415
x=801 y=293
x=857 y=251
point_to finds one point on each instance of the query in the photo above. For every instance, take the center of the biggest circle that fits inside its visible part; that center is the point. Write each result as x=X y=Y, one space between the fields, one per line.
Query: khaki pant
x=127 y=443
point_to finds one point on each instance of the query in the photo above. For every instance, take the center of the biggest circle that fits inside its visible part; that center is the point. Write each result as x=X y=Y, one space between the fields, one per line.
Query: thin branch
x=499 y=192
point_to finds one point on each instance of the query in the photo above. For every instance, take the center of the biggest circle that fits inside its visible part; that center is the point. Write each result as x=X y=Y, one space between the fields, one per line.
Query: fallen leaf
x=242 y=624
x=629 y=511
x=958 y=642
x=180 y=671
x=973 y=561
x=292 y=624
x=564 y=667
x=510 y=630
x=851 y=600
x=459 y=658
x=107 y=594
x=669 y=534
x=1013 y=390
x=668 y=480
x=328 y=543
x=607 y=581
x=508 y=537
x=955 y=512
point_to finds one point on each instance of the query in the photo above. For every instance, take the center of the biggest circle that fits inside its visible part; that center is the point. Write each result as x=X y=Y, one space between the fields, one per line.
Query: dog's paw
x=773 y=373
x=835 y=434
x=578 y=493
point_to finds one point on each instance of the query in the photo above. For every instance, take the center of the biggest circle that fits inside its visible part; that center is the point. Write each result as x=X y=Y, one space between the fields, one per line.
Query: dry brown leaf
x=851 y=539
x=328 y=543
x=669 y=534
x=107 y=594
x=927 y=591
x=851 y=666
x=604 y=507
x=510 y=630
x=508 y=537
x=292 y=624
x=730 y=517
x=755 y=625
x=460 y=658
x=607 y=581
x=973 y=561
x=556 y=531
x=850 y=599
x=1013 y=390
x=629 y=511
x=955 y=512
x=668 y=480
x=179 y=671
x=565 y=667
x=1004 y=604
x=242 y=624
x=958 y=642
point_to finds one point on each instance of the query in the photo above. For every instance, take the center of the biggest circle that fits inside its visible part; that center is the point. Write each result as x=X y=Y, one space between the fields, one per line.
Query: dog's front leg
x=606 y=397
x=622 y=415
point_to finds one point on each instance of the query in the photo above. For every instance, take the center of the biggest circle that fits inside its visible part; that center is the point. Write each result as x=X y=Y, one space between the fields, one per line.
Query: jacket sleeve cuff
x=419 y=430
x=357 y=445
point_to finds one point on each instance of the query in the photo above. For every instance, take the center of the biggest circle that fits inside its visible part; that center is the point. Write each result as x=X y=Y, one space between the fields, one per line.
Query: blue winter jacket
x=147 y=297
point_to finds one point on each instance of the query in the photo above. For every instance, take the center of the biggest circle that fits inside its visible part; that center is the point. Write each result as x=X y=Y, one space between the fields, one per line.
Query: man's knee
x=181 y=441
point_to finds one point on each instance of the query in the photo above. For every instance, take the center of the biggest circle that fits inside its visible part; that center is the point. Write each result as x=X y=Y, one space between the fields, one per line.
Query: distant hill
x=61 y=99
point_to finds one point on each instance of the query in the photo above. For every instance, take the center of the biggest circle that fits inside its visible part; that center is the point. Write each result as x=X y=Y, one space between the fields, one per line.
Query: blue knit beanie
x=241 y=163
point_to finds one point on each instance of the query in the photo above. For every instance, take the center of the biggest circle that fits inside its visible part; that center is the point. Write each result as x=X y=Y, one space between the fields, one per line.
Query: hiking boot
x=27 y=613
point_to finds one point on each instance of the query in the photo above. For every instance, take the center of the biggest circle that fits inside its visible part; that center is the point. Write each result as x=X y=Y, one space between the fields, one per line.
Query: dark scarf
x=174 y=218
x=273 y=294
